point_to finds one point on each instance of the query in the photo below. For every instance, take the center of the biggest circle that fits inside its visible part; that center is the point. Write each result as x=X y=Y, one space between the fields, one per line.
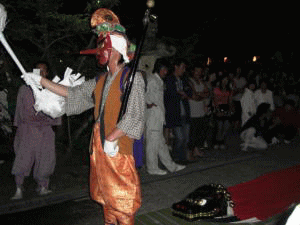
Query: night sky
x=230 y=28
x=226 y=27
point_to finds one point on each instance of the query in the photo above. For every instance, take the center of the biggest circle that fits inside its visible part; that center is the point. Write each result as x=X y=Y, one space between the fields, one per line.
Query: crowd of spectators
x=203 y=102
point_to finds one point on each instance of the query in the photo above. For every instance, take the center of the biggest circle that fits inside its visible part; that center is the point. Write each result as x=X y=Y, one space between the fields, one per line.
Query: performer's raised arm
x=37 y=80
x=58 y=89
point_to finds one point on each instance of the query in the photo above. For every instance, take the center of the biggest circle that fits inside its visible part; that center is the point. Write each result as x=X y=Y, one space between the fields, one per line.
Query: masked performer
x=114 y=181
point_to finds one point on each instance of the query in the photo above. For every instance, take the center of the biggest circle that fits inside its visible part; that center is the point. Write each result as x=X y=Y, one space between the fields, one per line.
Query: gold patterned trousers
x=114 y=183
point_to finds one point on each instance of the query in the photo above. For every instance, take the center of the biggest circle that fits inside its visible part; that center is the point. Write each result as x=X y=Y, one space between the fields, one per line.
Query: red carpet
x=267 y=195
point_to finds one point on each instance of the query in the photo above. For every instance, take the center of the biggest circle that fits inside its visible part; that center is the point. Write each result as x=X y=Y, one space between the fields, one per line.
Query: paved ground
x=70 y=181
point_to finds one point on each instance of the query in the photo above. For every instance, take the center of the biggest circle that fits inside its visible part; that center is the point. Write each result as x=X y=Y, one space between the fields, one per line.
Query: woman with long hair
x=223 y=109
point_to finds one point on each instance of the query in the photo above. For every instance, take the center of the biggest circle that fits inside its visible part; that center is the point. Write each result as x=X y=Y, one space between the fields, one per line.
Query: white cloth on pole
x=51 y=103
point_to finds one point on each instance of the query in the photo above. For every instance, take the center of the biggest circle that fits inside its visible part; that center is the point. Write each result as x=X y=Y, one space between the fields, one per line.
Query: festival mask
x=104 y=22
x=104 y=47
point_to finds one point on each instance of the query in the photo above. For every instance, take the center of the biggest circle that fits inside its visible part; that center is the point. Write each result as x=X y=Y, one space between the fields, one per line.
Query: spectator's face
x=212 y=77
x=43 y=70
x=252 y=87
x=263 y=86
x=163 y=72
x=197 y=73
x=224 y=81
x=180 y=70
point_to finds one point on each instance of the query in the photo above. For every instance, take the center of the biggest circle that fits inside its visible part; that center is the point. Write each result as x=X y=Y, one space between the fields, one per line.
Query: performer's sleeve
x=80 y=98
x=133 y=120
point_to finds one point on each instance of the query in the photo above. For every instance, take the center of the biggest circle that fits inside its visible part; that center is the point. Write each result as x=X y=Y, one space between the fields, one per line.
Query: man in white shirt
x=156 y=146
x=264 y=95
x=248 y=102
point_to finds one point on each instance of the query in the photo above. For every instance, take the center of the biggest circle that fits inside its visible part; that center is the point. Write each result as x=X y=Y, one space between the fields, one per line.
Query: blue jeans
x=181 y=140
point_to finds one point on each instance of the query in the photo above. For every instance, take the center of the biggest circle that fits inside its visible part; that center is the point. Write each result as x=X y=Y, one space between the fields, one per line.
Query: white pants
x=249 y=139
x=156 y=148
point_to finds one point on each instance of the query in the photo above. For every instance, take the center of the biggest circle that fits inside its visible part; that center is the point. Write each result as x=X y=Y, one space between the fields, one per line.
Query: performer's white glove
x=111 y=148
x=32 y=79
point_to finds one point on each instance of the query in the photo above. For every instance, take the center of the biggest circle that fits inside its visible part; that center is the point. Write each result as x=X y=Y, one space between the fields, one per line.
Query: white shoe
x=179 y=167
x=18 y=194
x=157 y=172
x=285 y=141
x=44 y=191
x=2 y=161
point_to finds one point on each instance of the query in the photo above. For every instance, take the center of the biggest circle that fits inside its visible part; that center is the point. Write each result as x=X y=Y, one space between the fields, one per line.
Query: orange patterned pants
x=114 y=183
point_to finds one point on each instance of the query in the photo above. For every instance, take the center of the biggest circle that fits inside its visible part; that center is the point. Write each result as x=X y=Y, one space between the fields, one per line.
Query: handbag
x=206 y=202
x=223 y=111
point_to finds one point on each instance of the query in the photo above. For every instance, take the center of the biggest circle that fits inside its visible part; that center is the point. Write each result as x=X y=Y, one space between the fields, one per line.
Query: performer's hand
x=32 y=79
x=111 y=148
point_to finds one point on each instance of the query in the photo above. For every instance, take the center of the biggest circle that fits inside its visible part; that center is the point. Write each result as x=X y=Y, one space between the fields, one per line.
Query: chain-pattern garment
x=80 y=99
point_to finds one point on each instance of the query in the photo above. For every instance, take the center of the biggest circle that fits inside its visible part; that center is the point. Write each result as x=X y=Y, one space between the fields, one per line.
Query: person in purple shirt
x=34 y=143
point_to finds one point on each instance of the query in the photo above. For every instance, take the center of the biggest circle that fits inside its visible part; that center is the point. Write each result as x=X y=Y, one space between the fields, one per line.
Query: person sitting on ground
x=253 y=131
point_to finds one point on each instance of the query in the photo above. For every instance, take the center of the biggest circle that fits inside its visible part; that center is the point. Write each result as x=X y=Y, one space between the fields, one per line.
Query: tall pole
x=131 y=75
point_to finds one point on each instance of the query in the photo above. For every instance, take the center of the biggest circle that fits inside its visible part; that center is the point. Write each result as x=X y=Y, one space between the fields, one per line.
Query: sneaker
x=2 y=161
x=179 y=167
x=18 y=195
x=44 y=191
x=287 y=141
x=216 y=147
x=157 y=172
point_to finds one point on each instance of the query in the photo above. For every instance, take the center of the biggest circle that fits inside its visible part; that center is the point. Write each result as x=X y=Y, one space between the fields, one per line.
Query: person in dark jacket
x=177 y=93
